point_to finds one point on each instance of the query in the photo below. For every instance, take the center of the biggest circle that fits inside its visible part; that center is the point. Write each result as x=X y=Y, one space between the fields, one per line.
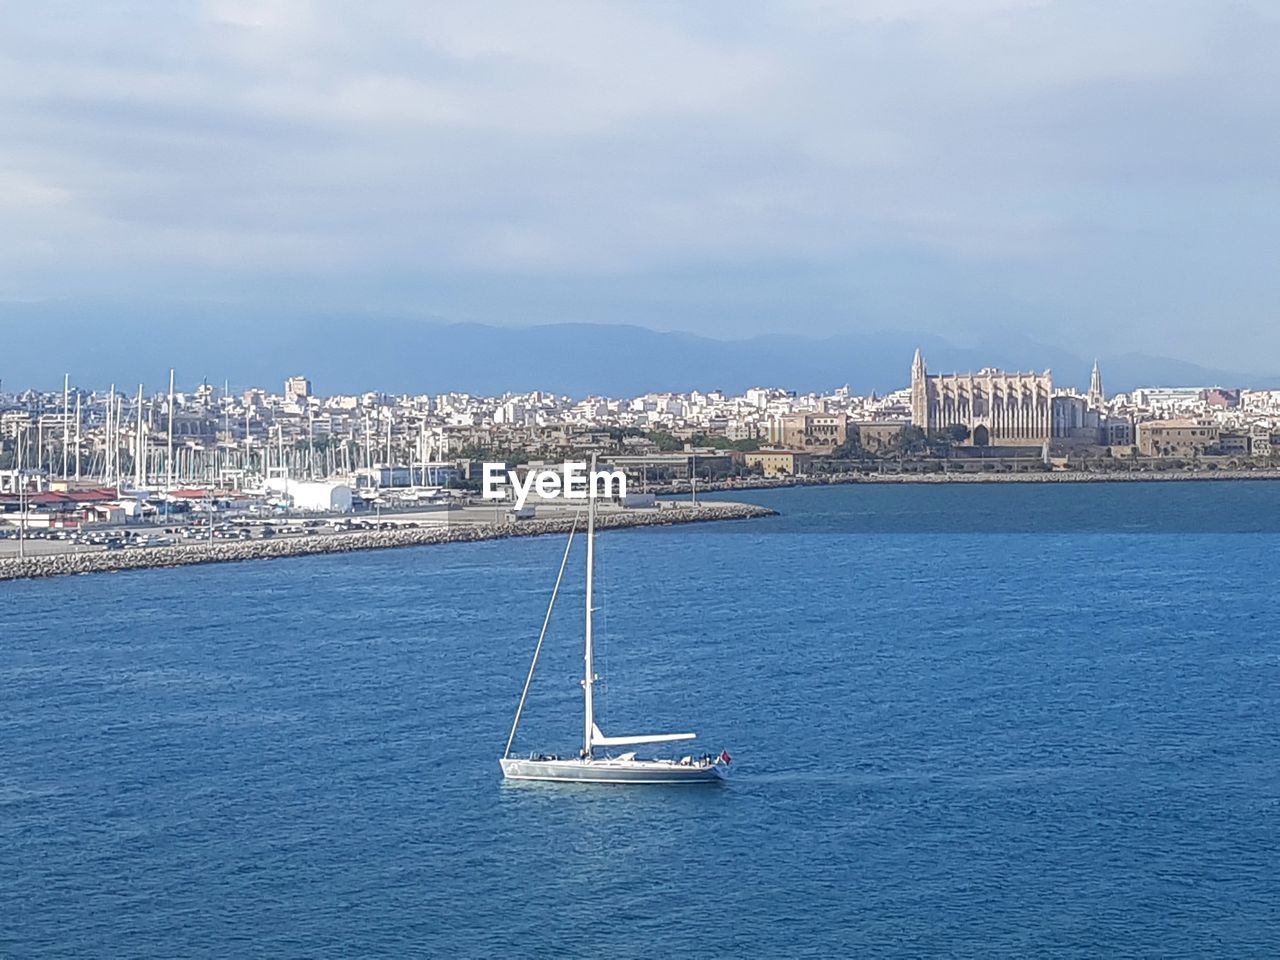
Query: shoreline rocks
x=69 y=564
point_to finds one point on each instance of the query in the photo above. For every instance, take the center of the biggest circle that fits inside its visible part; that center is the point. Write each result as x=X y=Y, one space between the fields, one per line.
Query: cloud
x=953 y=165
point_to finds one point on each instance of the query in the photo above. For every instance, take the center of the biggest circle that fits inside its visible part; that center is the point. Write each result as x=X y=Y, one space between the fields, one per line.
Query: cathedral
x=999 y=408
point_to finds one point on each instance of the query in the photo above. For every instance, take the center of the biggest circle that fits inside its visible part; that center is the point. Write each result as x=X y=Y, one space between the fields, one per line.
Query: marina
x=60 y=558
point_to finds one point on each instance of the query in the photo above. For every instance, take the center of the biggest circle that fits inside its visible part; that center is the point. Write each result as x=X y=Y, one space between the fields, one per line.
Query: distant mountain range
x=99 y=345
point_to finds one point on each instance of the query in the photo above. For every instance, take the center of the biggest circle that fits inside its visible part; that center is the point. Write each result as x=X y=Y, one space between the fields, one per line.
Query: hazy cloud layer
x=1101 y=175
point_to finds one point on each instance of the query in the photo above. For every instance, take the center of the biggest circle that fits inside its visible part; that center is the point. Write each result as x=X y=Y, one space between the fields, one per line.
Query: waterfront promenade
x=66 y=564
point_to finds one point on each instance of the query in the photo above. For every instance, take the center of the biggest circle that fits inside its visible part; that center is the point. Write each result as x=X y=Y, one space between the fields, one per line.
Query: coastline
x=70 y=564
x=1064 y=476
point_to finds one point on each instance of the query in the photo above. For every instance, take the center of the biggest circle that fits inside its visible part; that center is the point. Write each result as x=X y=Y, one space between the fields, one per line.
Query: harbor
x=471 y=524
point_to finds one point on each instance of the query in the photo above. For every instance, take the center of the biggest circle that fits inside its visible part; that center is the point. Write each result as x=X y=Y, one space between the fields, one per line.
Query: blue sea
x=966 y=721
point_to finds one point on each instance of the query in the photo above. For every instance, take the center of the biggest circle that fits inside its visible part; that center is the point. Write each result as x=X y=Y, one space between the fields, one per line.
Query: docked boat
x=598 y=762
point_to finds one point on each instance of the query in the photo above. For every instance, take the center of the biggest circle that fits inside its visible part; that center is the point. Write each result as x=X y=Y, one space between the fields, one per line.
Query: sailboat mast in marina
x=598 y=762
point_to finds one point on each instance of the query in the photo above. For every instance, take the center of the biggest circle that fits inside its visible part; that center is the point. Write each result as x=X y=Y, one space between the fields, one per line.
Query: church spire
x=919 y=391
x=1096 y=396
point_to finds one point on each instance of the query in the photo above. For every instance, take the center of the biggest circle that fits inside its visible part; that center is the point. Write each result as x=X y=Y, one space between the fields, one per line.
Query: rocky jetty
x=182 y=555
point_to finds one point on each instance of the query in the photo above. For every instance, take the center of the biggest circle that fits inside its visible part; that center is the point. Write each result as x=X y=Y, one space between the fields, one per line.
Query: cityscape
x=989 y=421
x=104 y=480
x=569 y=480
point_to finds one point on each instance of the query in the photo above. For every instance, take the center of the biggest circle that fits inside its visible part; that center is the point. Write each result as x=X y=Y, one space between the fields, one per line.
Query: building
x=419 y=475
x=1221 y=399
x=778 y=463
x=14 y=423
x=65 y=510
x=814 y=432
x=1167 y=397
x=297 y=388
x=1076 y=422
x=193 y=425
x=320 y=496
x=316 y=496
x=1261 y=443
x=34 y=481
x=998 y=408
x=1233 y=444
x=1252 y=401
x=876 y=436
x=678 y=465
x=1117 y=431
x=1177 y=438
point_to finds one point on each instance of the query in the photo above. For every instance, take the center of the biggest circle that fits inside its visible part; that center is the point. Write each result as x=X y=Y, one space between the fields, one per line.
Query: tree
x=851 y=449
x=717 y=442
x=618 y=434
x=910 y=440
x=665 y=441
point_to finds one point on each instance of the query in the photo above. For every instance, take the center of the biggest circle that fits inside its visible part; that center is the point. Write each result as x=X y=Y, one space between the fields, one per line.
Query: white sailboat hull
x=606 y=770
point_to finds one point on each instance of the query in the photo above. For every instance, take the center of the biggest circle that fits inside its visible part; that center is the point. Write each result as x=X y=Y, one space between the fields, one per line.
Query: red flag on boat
x=724 y=757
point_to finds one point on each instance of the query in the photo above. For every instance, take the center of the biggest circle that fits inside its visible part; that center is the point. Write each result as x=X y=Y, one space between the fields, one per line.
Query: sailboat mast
x=66 y=422
x=77 y=434
x=169 y=460
x=590 y=676
x=118 y=418
x=112 y=454
x=140 y=447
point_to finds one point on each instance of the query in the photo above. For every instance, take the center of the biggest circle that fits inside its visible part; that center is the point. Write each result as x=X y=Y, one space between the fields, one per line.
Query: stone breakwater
x=183 y=555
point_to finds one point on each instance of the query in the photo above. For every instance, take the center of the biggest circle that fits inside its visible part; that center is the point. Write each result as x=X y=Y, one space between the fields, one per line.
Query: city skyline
x=1021 y=416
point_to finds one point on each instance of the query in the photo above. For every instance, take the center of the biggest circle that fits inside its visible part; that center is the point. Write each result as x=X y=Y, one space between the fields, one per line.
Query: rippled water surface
x=960 y=744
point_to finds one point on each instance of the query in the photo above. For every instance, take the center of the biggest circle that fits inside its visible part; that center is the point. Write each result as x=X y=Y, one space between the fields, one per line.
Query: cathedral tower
x=1096 y=397
x=919 y=392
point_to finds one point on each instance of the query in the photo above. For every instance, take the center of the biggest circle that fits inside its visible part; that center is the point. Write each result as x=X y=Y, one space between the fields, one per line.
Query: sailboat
x=598 y=761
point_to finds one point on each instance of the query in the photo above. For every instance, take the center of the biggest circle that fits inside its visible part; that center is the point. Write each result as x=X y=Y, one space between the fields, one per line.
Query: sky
x=1101 y=176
